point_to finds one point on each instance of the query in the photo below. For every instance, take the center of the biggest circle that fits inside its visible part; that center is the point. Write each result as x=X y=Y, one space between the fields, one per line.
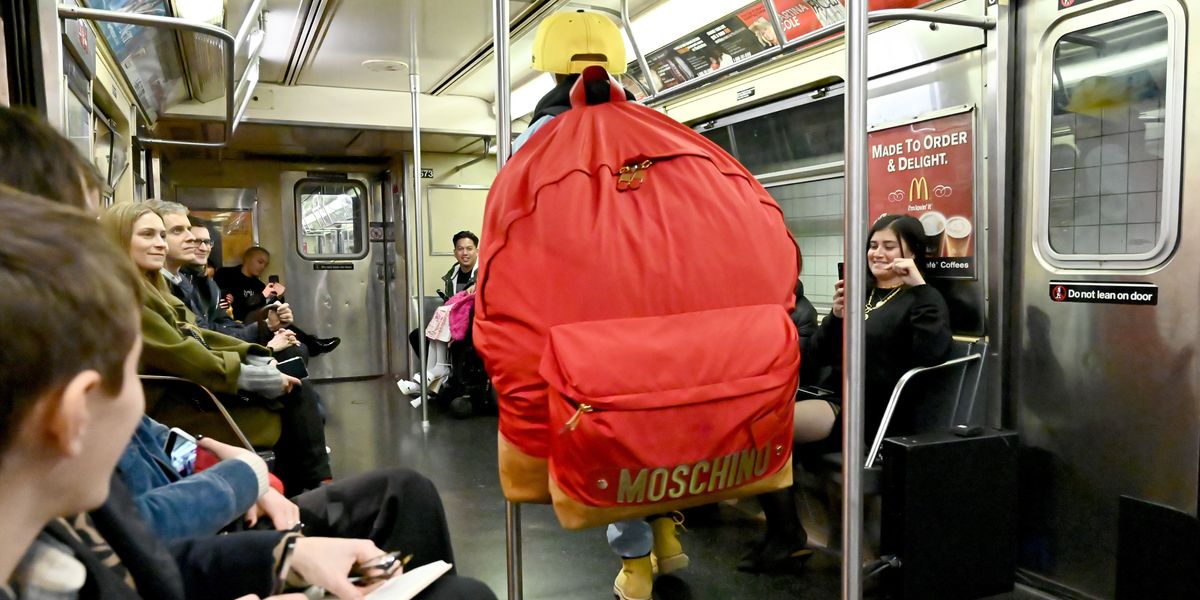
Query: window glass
x=329 y=219
x=232 y=233
x=801 y=136
x=1107 y=142
x=813 y=212
x=720 y=137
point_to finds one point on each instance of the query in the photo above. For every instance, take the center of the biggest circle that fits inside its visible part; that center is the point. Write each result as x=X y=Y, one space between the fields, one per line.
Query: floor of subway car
x=371 y=425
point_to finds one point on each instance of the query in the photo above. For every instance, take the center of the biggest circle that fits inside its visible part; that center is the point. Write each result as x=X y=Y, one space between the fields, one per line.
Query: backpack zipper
x=580 y=410
x=631 y=176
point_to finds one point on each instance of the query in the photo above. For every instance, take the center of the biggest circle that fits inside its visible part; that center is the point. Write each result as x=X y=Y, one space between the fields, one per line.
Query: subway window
x=813 y=212
x=330 y=219
x=794 y=147
x=805 y=135
x=1114 y=146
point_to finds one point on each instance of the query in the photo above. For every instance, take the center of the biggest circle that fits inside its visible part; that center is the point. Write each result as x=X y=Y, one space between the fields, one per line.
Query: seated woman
x=175 y=346
x=907 y=326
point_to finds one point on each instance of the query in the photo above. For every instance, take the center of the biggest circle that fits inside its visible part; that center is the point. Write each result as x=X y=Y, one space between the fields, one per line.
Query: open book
x=410 y=583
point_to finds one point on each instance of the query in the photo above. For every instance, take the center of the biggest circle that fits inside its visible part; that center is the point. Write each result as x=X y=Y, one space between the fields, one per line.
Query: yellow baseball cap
x=569 y=42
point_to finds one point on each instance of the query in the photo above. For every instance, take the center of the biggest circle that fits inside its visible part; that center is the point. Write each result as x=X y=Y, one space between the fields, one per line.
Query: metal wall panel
x=1105 y=396
x=346 y=303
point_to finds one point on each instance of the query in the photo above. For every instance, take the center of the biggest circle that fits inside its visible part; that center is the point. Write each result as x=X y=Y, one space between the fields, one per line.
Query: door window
x=1113 y=161
x=331 y=219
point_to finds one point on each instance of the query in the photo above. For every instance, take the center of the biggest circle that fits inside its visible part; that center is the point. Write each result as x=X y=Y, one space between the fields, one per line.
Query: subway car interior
x=1052 y=450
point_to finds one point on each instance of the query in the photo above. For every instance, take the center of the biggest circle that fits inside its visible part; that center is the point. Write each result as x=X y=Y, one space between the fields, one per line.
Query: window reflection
x=330 y=219
x=1107 y=137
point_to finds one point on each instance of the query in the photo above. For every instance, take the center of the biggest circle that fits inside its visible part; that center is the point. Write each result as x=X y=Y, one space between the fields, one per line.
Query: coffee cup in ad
x=958 y=237
x=934 y=224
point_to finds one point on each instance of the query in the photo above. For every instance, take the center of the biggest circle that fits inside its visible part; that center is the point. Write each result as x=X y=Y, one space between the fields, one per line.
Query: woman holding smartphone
x=907 y=326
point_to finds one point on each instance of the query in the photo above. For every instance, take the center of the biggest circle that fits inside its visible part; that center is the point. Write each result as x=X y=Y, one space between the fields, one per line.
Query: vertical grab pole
x=500 y=25
x=856 y=263
x=641 y=59
x=775 y=23
x=414 y=91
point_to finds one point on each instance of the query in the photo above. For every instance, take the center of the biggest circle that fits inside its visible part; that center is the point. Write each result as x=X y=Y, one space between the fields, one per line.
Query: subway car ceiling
x=343 y=68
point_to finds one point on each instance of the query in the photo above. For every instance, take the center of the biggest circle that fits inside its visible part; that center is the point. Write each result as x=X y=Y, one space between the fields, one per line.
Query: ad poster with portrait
x=741 y=34
x=926 y=169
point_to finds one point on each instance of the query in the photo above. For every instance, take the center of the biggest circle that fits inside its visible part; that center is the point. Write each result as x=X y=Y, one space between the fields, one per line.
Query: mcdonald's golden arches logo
x=918 y=189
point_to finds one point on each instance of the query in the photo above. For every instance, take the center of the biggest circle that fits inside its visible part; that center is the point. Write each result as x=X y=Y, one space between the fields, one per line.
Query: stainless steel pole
x=503 y=82
x=500 y=34
x=856 y=263
x=627 y=25
x=512 y=549
x=775 y=23
x=414 y=91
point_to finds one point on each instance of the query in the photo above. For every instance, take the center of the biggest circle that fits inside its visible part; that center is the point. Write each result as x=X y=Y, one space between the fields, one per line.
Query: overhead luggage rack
x=230 y=43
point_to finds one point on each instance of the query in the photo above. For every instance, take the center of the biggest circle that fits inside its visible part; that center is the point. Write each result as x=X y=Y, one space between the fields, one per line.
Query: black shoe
x=777 y=556
x=320 y=346
x=462 y=408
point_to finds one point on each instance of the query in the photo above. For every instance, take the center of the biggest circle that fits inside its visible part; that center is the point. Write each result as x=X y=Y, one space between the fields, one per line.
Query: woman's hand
x=289 y=382
x=326 y=562
x=220 y=450
x=283 y=339
x=280 y=317
x=284 y=514
x=839 y=299
x=907 y=271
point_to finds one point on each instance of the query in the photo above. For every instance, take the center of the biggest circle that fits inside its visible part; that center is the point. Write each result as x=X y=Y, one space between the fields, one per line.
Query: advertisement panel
x=926 y=169
x=738 y=36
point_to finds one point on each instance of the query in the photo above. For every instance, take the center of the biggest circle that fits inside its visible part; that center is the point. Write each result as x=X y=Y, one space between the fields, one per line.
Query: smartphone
x=293 y=366
x=273 y=279
x=181 y=447
x=841 y=270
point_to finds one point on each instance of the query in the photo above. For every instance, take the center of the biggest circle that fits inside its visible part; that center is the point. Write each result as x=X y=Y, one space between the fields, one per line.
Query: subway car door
x=1103 y=385
x=335 y=271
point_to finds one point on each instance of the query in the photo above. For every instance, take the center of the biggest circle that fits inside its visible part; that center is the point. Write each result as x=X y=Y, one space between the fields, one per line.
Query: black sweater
x=910 y=330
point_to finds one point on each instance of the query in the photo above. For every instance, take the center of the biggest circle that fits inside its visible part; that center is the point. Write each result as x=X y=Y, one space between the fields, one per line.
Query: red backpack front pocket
x=654 y=414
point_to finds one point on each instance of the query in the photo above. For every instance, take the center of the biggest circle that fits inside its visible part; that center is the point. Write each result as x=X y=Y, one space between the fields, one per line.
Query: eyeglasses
x=208 y=243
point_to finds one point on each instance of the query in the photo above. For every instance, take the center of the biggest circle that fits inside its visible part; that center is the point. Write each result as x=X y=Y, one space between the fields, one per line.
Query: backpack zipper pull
x=573 y=422
x=631 y=176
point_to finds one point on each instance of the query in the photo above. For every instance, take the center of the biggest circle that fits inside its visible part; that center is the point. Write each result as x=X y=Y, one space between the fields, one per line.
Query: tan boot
x=635 y=581
x=668 y=552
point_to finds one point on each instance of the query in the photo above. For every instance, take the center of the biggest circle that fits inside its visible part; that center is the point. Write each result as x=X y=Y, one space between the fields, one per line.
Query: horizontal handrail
x=229 y=44
x=895 y=399
x=875 y=16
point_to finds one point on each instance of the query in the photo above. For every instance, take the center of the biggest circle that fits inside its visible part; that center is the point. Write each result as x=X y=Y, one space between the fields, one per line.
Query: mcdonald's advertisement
x=926 y=169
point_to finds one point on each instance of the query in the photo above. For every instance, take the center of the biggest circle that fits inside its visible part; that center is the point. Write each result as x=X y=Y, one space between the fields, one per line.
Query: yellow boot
x=635 y=581
x=668 y=552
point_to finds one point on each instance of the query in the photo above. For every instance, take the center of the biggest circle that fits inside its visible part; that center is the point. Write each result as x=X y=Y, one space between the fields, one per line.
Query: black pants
x=453 y=587
x=398 y=509
x=301 y=461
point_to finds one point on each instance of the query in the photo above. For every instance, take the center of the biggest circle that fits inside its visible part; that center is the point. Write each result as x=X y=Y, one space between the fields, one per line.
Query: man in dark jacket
x=466 y=255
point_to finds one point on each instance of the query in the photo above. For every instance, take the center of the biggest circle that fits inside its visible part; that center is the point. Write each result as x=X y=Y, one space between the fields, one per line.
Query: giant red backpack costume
x=632 y=311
